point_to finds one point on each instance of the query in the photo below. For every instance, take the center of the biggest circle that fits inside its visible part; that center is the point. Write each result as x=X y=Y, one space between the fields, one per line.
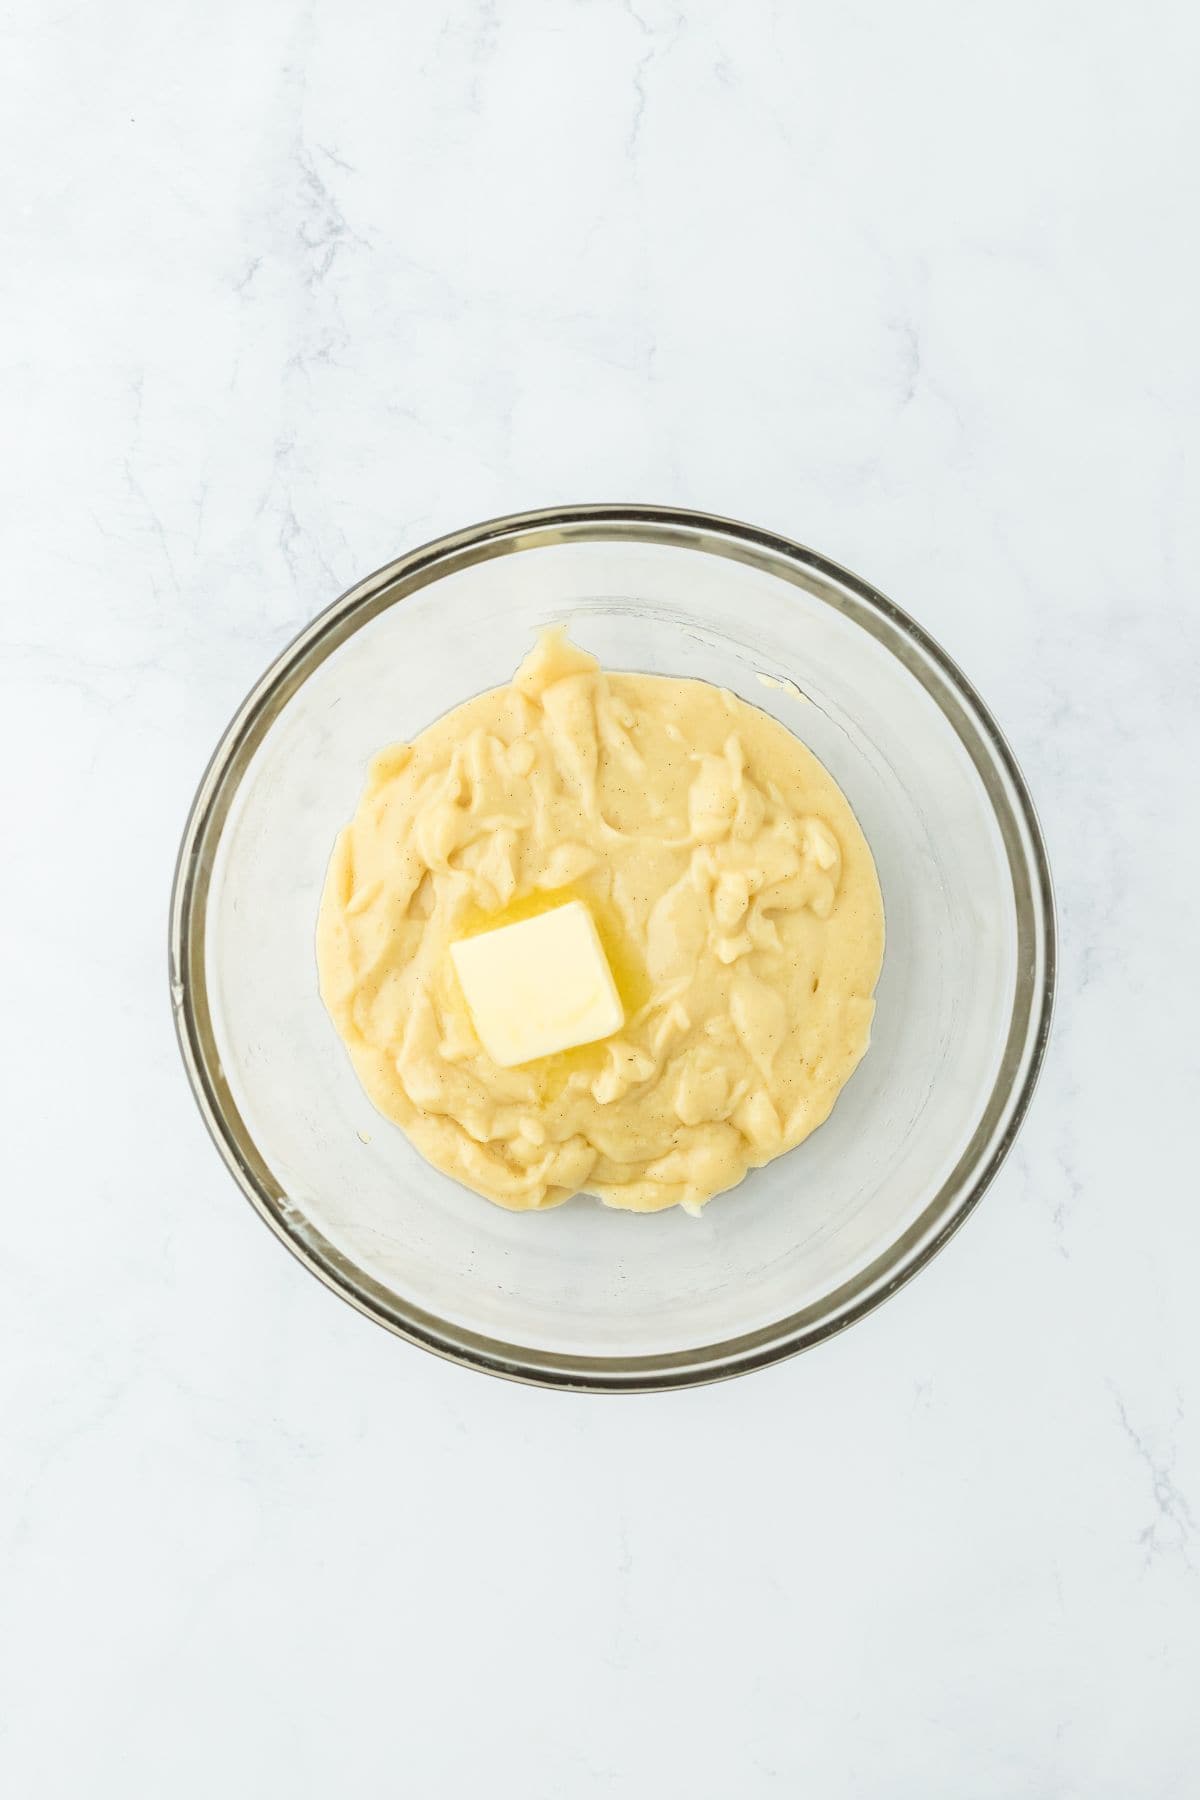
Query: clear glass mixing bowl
x=581 y=1296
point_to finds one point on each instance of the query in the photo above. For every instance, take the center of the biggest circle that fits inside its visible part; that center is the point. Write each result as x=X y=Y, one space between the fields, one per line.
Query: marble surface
x=289 y=288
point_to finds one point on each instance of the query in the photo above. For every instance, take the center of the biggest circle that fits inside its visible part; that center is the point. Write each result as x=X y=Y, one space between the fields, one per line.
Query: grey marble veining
x=287 y=288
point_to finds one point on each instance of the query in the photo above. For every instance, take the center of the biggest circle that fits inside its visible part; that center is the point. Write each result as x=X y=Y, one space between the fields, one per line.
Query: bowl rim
x=1029 y=1024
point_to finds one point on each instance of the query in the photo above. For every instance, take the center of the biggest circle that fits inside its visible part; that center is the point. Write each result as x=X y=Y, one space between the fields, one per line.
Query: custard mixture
x=734 y=896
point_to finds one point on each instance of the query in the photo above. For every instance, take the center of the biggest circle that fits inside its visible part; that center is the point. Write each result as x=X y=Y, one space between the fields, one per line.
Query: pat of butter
x=538 y=986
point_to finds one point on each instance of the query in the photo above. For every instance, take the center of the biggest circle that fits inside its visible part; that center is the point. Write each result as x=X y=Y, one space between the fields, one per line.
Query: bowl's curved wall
x=582 y=1296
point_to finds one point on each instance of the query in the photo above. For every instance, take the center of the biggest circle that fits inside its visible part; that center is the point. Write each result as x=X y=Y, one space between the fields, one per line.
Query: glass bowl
x=584 y=1297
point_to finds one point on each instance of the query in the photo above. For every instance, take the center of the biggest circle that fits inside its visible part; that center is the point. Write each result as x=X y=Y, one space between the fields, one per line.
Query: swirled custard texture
x=733 y=891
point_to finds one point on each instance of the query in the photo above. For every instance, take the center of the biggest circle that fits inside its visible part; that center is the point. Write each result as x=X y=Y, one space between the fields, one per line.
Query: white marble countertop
x=290 y=288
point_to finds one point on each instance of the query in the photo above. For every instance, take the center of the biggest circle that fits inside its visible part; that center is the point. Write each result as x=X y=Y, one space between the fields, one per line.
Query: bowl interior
x=806 y=1237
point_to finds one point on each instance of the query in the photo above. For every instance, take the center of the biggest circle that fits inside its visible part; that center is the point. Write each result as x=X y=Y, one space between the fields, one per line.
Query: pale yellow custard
x=735 y=898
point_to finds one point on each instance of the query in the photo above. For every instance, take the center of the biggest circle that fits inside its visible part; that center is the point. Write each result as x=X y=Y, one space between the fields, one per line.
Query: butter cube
x=538 y=986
